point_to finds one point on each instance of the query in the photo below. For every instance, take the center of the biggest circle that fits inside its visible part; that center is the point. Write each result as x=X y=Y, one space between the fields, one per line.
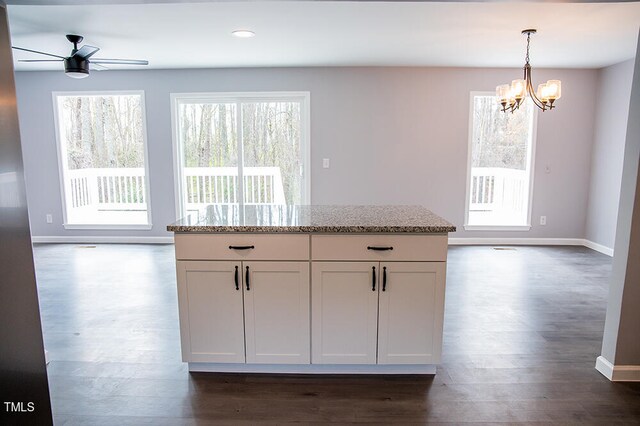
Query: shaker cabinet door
x=211 y=311
x=411 y=312
x=344 y=312
x=276 y=296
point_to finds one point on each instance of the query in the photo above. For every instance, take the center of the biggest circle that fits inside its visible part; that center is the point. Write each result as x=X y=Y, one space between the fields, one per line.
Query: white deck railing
x=494 y=188
x=124 y=188
x=219 y=185
x=107 y=188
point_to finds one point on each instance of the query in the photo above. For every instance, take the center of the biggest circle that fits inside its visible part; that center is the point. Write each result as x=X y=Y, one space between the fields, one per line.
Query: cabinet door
x=211 y=312
x=344 y=312
x=276 y=296
x=411 y=312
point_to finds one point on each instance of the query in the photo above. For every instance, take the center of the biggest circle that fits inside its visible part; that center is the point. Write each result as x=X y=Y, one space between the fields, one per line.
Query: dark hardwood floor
x=523 y=329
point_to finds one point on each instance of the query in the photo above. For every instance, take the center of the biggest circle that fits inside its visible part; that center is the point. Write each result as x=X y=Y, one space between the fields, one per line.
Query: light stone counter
x=313 y=219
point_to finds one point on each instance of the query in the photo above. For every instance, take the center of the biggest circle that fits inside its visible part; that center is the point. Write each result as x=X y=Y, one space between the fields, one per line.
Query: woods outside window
x=241 y=149
x=500 y=165
x=102 y=156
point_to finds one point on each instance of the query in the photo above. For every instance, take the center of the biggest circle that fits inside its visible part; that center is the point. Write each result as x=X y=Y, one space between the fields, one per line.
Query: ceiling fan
x=78 y=64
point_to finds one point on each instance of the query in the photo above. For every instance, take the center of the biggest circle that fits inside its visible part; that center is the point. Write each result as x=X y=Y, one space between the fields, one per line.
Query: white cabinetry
x=276 y=311
x=211 y=312
x=345 y=313
x=373 y=303
x=254 y=312
x=383 y=312
x=411 y=312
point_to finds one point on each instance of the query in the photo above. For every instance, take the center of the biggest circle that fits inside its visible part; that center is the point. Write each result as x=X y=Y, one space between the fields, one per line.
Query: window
x=243 y=148
x=103 y=160
x=500 y=168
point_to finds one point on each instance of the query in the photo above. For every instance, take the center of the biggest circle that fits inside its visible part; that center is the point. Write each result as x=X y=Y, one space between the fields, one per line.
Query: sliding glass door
x=242 y=149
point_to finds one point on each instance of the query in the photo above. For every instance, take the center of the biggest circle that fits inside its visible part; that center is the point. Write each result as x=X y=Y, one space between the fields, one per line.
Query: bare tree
x=500 y=139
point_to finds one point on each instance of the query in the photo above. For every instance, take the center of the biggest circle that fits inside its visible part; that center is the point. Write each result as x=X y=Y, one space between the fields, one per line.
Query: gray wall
x=621 y=345
x=614 y=88
x=394 y=136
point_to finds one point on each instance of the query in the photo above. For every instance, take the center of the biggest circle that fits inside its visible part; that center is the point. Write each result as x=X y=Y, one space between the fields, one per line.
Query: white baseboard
x=598 y=247
x=532 y=242
x=618 y=373
x=102 y=240
x=517 y=241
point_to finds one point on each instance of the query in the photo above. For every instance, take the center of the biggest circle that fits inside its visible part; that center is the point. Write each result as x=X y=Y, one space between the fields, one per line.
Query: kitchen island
x=311 y=289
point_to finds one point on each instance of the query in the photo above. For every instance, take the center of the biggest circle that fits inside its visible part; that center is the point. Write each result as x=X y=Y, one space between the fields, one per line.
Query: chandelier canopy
x=512 y=96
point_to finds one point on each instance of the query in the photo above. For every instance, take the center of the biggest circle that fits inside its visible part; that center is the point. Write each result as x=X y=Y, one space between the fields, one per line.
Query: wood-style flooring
x=523 y=328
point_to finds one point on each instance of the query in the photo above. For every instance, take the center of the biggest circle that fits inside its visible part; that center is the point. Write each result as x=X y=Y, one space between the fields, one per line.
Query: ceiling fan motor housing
x=76 y=65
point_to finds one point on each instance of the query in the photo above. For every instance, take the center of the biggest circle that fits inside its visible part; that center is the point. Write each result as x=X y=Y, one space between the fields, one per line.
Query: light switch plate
x=325 y=163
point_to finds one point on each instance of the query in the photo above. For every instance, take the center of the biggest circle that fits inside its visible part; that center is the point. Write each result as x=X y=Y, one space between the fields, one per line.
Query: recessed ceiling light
x=243 y=33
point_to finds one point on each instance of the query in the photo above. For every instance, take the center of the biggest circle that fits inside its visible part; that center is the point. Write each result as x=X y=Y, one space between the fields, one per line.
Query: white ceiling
x=197 y=35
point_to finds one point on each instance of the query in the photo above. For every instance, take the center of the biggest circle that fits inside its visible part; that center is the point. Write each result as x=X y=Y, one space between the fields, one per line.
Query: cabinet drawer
x=427 y=248
x=265 y=247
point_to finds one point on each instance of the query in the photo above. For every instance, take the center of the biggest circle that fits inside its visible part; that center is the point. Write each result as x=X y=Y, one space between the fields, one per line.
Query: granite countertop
x=327 y=219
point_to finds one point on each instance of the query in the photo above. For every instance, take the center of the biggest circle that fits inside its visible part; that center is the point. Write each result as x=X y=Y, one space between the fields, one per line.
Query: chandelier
x=512 y=96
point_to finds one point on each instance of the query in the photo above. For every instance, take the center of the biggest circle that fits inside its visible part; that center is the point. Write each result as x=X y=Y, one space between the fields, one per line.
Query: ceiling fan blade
x=86 y=52
x=120 y=61
x=97 y=67
x=39 y=53
x=39 y=60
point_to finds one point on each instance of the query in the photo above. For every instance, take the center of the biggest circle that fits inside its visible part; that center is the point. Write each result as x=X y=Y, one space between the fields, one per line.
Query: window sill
x=108 y=227
x=497 y=228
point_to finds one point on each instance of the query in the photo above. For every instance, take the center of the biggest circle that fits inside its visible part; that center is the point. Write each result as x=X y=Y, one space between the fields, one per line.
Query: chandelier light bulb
x=518 y=87
x=502 y=93
x=554 y=88
x=543 y=93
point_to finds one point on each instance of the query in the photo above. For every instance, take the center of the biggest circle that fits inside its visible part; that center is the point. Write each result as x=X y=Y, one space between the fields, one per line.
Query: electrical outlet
x=49 y=218
x=543 y=220
x=325 y=163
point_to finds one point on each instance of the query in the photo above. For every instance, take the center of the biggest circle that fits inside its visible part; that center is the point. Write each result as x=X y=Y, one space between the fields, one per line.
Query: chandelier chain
x=526 y=58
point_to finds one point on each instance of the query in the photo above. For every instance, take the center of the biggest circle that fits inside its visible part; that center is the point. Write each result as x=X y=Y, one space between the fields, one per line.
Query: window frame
x=531 y=154
x=63 y=161
x=304 y=97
